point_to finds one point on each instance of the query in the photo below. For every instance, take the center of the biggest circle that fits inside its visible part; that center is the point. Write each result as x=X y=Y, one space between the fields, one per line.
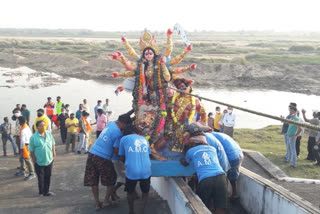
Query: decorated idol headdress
x=187 y=82
x=147 y=41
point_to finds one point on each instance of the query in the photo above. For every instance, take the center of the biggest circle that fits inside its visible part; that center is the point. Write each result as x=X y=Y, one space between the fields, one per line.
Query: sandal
x=105 y=205
x=99 y=207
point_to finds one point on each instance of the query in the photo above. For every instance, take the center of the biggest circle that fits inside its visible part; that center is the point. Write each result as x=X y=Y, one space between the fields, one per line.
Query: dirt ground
x=18 y=196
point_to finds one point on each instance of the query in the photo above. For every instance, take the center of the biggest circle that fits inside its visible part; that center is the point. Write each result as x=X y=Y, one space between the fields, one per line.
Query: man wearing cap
x=212 y=183
x=99 y=164
x=312 y=133
x=292 y=133
x=285 y=129
x=41 y=117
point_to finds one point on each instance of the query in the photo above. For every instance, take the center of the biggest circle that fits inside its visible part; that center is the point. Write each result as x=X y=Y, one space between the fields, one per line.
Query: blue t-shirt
x=106 y=141
x=116 y=145
x=136 y=150
x=205 y=161
x=230 y=146
x=222 y=156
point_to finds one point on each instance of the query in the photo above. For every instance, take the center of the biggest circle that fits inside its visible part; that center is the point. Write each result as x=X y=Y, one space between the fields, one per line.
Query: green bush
x=301 y=48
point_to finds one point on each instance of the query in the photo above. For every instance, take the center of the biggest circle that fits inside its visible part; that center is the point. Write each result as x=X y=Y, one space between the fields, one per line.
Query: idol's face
x=146 y=120
x=149 y=55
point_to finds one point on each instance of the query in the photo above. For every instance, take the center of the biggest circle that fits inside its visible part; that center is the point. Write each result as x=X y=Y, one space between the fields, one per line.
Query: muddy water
x=30 y=87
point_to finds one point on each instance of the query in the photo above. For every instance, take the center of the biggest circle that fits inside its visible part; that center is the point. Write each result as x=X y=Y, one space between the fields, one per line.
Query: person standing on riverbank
x=299 y=137
x=229 y=121
x=99 y=164
x=5 y=130
x=312 y=134
x=62 y=125
x=49 y=106
x=84 y=128
x=101 y=122
x=79 y=112
x=217 y=117
x=41 y=117
x=26 y=113
x=16 y=134
x=59 y=106
x=285 y=129
x=86 y=106
x=225 y=111
x=43 y=153
x=98 y=106
x=292 y=133
x=25 y=135
x=107 y=109
x=211 y=120
x=72 y=125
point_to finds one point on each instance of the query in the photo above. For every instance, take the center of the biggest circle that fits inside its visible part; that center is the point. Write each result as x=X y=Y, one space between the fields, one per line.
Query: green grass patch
x=260 y=58
x=271 y=144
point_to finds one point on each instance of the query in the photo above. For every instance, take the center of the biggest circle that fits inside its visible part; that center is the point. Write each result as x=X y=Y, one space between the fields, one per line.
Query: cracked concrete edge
x=273 y=170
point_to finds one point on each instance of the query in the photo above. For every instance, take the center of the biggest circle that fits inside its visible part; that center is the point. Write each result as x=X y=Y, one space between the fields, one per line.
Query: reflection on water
x=74 y=91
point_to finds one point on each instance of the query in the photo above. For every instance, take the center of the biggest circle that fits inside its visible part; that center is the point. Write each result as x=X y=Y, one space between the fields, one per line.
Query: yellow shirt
x=217 y=118
x=46 y=121
x=72 y=129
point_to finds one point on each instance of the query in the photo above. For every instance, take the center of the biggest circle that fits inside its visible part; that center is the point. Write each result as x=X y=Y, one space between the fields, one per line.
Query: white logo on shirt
x=206 y=158
x=138 y=146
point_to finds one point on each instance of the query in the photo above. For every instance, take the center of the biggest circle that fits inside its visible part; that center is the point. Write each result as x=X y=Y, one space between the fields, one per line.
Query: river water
x=33 y=87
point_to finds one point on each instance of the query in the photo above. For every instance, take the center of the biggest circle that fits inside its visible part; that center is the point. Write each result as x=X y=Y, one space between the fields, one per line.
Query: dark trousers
x=311 y=144
x=63 y=133
x=98 y=133
x=316 y=153
x=298 y=145
x=216 y=130
x=44 y=176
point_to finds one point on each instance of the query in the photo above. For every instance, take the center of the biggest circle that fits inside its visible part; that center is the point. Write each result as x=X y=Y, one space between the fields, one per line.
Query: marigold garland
x=173 y=114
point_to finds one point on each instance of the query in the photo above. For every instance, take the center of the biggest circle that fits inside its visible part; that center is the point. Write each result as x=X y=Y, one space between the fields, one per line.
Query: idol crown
x=147 y=41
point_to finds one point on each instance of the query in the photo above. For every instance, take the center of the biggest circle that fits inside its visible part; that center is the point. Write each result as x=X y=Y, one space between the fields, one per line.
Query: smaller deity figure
x=183 y=109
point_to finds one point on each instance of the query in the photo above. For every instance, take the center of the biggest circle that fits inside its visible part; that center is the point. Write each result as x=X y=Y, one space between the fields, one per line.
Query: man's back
x=205 y=161
x=136 y=150
x=231 y=147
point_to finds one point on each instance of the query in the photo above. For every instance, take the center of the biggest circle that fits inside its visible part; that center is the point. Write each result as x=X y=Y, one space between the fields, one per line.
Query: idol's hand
x=115 y=74
x=163 y=60
x=188 y=48
x=123 y=39
x=193 y=66
x=169 y=32
x=120 y=88
x=116 y=55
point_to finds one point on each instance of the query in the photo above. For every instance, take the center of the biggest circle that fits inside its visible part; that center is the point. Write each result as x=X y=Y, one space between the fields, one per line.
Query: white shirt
x=87 y=108
x=302 y=129
x=25 y=137
x=229 y=120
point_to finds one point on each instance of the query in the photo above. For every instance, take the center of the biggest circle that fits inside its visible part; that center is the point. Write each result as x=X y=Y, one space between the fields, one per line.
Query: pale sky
x=126 y=15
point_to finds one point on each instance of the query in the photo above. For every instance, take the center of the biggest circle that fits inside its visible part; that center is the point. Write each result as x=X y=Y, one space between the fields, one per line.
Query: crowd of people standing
x=222 y=121
x=34 y=144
